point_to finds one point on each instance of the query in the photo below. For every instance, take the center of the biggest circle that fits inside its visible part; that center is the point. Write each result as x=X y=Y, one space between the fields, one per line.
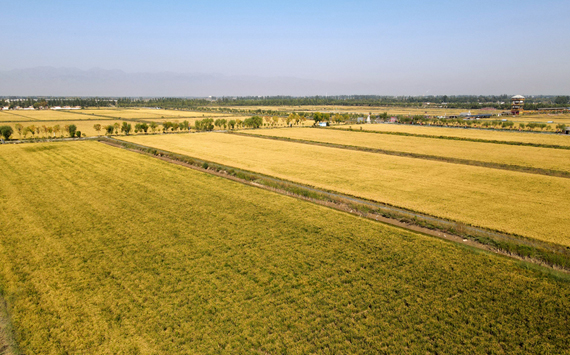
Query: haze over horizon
x=144 y=48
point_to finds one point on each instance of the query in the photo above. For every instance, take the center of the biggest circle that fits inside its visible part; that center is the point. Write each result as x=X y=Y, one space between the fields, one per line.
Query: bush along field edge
x=554 y=256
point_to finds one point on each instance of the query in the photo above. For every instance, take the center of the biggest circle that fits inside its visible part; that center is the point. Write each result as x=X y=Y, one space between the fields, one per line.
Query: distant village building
x=566 y=130
x=368 y=119
x=517 y=105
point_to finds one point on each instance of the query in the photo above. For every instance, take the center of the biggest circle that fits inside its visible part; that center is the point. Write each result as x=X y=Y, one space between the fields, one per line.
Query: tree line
x=450 y=101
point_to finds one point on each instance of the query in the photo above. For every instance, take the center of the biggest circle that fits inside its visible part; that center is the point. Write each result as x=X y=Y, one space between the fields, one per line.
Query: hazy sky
x=433 y=47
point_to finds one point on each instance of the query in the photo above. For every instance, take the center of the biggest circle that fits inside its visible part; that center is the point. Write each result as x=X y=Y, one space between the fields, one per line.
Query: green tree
x=110 y=129
x=126 y=128
x=71 y=129
x=562 y=100
x=166 y=126
x=6 y=132
x=97 y=127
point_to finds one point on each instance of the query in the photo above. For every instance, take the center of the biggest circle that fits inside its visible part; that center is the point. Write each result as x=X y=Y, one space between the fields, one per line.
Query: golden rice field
x=543 y=158
x=10 y=116
x=133 y=113
x=530 y=205
x=541 y=118
x=515 y=136
x=51 y=115
x=191 y=120
x=362 y=109
x=105 y=251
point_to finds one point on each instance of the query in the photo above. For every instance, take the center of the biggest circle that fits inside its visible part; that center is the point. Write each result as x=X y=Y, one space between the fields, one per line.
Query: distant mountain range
x=49 y=81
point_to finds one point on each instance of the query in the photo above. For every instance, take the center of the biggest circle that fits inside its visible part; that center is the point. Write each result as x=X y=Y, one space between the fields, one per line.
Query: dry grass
x=526 y=204
x=105 y=251
x=486 y=134
x=543 y=158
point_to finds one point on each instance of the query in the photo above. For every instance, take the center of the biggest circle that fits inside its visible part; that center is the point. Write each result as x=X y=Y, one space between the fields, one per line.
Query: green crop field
x=526 y=204
x=104 y=251
x=544 y=158
x=486 y=134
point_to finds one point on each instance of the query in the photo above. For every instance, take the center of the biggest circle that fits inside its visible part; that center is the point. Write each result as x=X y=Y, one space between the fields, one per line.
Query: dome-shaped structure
x=518 y=97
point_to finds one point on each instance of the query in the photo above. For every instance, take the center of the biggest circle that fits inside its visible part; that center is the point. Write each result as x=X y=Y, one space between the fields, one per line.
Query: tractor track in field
x=345 y=203
x=7 y=343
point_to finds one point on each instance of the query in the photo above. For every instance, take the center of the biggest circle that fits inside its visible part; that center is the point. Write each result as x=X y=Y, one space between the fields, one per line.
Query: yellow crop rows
x=526 y=204
x=486 y=134
x=544 y=158
x=105 y=251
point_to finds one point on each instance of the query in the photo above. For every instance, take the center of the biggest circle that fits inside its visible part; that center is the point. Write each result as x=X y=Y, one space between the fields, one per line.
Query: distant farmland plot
x=141 y=256
x=544 y=158
x=144 y=113
x=364 y=110
x=487 y=134
x=526 y=204
x=50 y=115
x=11 y=117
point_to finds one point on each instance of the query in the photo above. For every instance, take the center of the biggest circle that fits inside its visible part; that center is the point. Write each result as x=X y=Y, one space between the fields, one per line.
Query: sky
x=385 y=47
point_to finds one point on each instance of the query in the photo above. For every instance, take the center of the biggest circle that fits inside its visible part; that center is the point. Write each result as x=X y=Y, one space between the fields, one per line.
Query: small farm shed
x=323 y=124
x=566 y=130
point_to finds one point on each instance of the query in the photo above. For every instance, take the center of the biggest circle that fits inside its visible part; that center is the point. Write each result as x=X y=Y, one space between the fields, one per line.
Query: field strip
x=486 y=164
x=513 y=202
x=15 y=114
x=91 y=115
x=519 y=247
x=450 y=137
